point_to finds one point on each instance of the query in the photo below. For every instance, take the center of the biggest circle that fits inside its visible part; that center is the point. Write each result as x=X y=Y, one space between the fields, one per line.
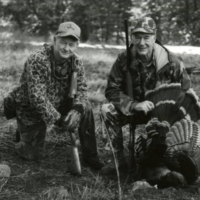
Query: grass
x=48 y=179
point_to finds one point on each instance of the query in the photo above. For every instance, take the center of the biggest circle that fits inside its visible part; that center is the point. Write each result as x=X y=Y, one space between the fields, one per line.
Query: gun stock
x=129 y=85
x=73 y=85
x=75 y=165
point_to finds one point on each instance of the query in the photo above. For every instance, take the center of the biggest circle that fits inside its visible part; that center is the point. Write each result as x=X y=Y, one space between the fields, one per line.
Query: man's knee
x=31 y=141
x=87 y=109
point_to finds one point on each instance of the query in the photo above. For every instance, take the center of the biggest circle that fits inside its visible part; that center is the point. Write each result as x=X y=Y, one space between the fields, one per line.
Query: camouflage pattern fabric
x=44 y=86
x=72 y=120
x=32 y=138
x=114 y=121
x=162 y=70
x=143 y=24
x=165 y=68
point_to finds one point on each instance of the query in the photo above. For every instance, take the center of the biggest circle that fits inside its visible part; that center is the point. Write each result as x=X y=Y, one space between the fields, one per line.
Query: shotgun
x=75 y=166
x=129 y=91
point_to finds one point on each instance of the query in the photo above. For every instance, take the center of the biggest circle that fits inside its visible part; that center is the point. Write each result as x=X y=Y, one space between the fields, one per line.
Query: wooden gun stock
x=73 y=85
x=75 y=165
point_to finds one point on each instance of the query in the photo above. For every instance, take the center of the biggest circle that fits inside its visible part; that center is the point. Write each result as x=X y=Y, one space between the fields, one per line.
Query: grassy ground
x=48 y=179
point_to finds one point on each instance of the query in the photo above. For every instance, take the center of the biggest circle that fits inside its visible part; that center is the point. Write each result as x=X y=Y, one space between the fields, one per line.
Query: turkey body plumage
x=169 y=154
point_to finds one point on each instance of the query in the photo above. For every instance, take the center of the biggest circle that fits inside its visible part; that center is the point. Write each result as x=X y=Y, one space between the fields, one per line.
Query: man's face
x=143 y=43
x=64 y=47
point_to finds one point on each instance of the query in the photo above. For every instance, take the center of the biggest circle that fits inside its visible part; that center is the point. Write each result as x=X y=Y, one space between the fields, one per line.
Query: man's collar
x=161 y=56
x=152 y=61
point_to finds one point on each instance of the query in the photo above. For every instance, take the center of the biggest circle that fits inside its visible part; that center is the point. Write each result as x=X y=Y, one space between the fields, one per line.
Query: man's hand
x=145 y=106
x=59 y=122
x=72 y=120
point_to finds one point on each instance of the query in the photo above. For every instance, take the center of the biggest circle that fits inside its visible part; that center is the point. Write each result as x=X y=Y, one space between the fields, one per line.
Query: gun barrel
x=127 y=45
x=129 y=90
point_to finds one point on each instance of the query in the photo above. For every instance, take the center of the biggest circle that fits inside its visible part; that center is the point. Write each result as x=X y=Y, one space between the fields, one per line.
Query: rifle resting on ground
x=75 y=166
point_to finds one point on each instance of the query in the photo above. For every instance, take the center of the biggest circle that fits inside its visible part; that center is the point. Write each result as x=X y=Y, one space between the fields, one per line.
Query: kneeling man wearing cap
x=53 y=90
x=151 y=65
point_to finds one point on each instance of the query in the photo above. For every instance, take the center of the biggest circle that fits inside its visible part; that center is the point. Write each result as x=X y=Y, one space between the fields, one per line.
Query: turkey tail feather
x=172 y=103
x=164 y=92
x=173 y=136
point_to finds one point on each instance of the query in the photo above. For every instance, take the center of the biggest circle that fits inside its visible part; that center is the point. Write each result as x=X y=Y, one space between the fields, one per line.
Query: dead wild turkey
x=169 y=155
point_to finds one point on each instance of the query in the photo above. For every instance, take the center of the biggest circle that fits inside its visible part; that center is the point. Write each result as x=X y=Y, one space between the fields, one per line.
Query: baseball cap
x=69 y=29
x=144 y=25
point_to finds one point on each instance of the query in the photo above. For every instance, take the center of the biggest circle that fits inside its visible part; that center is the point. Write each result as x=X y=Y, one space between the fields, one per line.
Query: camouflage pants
x=32 y=138
x=114 y=121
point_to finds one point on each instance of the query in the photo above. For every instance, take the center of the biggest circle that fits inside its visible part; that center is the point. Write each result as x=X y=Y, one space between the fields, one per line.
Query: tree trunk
x=195 y=5
x=187 y=12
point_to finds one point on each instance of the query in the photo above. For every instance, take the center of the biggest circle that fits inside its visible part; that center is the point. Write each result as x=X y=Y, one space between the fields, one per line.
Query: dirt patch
x=48 y=179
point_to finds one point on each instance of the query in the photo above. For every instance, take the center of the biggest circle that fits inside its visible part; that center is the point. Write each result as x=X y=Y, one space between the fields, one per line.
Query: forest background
x=178 y=22
x=24 y=26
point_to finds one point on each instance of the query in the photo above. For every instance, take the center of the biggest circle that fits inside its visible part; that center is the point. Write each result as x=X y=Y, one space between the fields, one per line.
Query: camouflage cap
x=144 y=25
x=69 y=29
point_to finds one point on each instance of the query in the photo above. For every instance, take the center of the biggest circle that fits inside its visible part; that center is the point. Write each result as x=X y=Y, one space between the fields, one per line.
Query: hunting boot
x=87 y=137
x=93 y=162
x=121 y=165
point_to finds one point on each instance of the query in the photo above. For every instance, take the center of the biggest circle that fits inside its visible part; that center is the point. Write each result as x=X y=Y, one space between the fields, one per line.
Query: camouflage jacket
x=165 y=68
x=42 y=93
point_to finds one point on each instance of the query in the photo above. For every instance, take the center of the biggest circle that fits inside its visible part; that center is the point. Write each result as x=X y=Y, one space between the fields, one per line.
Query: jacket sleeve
x=176 y=72
x=116 y=87
x=183 y=77
x=81 y=95
x=36 y=82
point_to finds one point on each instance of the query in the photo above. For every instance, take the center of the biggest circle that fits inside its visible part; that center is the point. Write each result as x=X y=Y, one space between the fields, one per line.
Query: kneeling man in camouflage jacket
x=43 y=97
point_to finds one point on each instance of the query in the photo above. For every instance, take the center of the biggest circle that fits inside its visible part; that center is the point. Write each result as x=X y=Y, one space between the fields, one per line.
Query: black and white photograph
x=99 y=100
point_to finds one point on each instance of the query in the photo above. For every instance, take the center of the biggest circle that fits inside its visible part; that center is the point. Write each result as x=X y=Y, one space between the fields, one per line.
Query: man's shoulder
x=164 y=57
x=175 y=57
x=122 y=55
x=77 y=57
x=76 y=61
x=42 y=55
x=122 y=59
x=171 y=55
